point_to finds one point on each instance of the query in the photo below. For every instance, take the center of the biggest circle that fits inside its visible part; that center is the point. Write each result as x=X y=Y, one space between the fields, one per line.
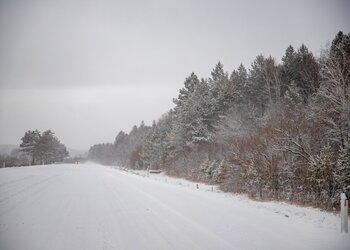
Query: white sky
x=87 y=69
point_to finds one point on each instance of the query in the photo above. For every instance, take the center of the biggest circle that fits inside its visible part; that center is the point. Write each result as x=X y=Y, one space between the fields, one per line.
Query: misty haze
x=174 y=124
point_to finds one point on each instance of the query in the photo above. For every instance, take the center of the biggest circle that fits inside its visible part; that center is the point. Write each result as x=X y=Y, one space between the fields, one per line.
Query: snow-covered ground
x=95 y=207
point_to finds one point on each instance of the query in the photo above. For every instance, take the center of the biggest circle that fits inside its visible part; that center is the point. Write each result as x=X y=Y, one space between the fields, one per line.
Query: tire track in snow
x=28 y=192
x=166 y=212
x=16 y=181
x=30 y=186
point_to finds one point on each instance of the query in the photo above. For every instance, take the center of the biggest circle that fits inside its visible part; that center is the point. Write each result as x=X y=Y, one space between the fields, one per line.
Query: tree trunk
x=33 y=159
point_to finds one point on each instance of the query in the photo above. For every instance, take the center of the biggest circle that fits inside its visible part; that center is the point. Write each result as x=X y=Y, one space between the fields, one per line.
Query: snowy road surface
x=95 y=207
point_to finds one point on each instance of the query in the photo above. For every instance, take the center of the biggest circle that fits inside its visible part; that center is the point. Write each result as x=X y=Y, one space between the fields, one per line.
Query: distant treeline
x=36 y=148
x=274 y=131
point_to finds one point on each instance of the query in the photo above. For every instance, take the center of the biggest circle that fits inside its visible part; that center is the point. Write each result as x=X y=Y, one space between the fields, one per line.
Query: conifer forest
x=278 y=129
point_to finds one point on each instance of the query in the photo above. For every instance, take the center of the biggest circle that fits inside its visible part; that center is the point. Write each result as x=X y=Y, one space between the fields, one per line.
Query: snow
x=94 y=207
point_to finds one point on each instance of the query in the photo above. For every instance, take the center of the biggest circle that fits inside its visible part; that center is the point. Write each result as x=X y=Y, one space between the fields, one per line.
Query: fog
x=87 y=69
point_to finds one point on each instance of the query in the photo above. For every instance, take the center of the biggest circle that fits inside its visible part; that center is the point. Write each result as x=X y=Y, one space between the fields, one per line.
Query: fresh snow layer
x=94 y=207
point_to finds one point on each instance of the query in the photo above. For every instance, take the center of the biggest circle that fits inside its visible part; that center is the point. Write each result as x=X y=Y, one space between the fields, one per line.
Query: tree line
x=43 y=148
x=37 y=148
x=273 y=131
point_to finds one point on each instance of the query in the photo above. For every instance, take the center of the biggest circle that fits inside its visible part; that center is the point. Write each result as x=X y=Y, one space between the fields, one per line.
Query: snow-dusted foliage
x=126 y=150
x=342 y=169
x=273 y=131
x=43 y=148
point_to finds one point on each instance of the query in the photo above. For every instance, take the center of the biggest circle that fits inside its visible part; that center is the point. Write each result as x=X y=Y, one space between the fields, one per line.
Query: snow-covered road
x=95 y=207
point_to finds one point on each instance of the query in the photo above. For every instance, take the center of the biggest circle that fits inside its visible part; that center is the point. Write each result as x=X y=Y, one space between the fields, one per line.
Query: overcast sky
x=88 y=69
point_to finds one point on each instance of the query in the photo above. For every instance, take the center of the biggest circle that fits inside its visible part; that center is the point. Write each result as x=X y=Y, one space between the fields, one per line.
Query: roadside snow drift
x=95 y=207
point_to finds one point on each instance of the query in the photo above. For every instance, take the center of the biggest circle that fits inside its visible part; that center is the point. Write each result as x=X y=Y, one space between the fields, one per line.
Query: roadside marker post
x=344 y=208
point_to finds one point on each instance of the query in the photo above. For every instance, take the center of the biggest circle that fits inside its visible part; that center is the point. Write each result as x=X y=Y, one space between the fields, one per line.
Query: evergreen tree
x=202 y=115
x=263 y=83
x=237 y=93
x=308 y=77
x=190 y=83
x=220 y=173
x=221 y=89
x=103 y=153
x=29 y=144
x=120 y=138
x=342 y=171
x=289 y=69
x=339 y=52
x=50 y=149
x=205 y=165
x=44 y=148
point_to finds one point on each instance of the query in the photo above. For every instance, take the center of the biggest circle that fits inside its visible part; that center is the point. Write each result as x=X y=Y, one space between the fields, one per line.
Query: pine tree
x=194 y=121
x=221 y=171
x=205 y=165
x=211 y=169
x=289 y=69
x=119 y=139
x=260 y=85
x=151 y=149
x=237 y=91
x=342 y=171
x=29 y=144
x=308 y=77
x=44 y=148
x=300 y=67
x=50 y=149
x=103 y=153
x=190 y=83
x=202 y=114
x=221 y=89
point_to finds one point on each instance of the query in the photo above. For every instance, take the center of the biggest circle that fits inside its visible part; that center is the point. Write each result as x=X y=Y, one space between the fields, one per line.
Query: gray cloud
x=60 y=47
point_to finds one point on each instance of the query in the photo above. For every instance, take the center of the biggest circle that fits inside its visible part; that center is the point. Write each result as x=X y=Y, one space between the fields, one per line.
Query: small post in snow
x=197 y=186
x=4 y=165
x=344 y=205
